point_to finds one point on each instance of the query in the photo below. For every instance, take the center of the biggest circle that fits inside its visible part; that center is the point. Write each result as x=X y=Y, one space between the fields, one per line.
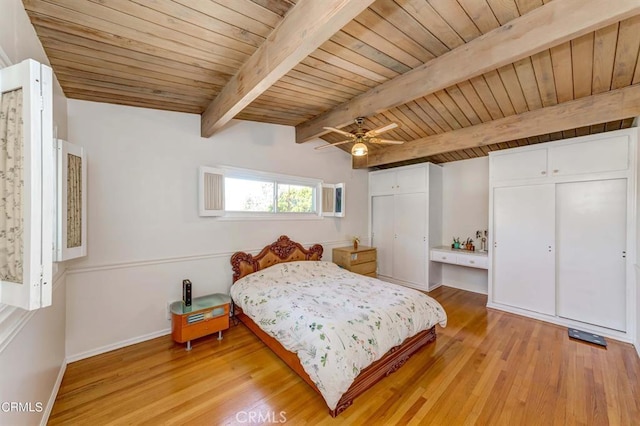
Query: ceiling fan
x=362 y=136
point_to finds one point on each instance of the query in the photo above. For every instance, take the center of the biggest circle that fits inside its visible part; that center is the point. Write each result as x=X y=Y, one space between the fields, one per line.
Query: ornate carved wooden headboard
x=283 y=250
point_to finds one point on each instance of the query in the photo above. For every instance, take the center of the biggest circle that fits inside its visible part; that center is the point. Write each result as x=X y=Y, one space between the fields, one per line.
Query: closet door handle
x=544 y=172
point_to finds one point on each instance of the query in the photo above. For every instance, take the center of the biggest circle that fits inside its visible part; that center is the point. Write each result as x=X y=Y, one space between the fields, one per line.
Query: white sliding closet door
x=591 y=242
x=382 y=229
x=523 y=254
x=410 y=238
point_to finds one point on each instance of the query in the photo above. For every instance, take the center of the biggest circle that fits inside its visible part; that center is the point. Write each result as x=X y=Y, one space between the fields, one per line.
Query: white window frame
x=62 y=252
x=36 y=81
x=242 y=173
x=333 y=188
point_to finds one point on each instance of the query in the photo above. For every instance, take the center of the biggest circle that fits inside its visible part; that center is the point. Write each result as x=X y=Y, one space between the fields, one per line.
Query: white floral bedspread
x=337 y=322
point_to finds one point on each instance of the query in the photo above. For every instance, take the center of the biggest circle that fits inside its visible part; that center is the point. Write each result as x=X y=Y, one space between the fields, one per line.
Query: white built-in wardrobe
x=405 y=221
x=563 y=232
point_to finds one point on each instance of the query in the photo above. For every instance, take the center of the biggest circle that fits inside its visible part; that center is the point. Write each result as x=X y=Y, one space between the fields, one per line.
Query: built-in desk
x=471 y=259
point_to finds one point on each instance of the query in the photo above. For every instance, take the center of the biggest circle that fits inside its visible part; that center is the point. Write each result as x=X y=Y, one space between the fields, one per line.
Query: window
x=250 y=193
x=333 y=199
x=26 y=193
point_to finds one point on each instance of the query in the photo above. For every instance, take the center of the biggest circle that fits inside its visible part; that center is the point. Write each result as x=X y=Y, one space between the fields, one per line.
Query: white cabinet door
x=382 y=229
x=411 y=180
x=409 y=245
x=524 y=264
x=591 y=244
x=382 y=183
x=602 y=155
x=519 y=165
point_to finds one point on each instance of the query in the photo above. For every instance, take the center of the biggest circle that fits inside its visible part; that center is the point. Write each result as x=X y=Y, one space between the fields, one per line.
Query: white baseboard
x=54 y=394
x=611 y=334
x=434 y=286
x=117 y=345
x=404 y=283
x=463 y=286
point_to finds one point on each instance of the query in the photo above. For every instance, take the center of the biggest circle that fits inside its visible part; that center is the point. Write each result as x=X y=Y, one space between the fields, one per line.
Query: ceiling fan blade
x=387 y=141
x=333 y=144
x=342 y=132
x=379 y=130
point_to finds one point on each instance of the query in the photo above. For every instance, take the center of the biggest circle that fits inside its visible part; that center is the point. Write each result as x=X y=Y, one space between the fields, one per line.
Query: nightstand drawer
x=204 y=315
x=192 y=325
x=203 y=328
x=363 y=257
x=364 y=268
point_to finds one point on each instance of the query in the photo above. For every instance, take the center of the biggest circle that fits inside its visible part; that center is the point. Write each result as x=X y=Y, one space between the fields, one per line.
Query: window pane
x=243 y=195
x=295 y=199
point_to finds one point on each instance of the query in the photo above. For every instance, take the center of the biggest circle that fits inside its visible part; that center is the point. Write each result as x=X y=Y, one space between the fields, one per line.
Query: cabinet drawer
x=204 y=315
x=200 y=323
x=473 y=261
x=440 y=256
x=364 y=268
x=205 y=328
x=363 y=257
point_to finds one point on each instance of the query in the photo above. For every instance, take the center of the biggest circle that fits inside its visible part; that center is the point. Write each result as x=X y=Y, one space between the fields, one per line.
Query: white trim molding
x=636 y=338
x=187 y=258
x=13 y=319
x=54 y=394
x=4 y=59
x=118 y=345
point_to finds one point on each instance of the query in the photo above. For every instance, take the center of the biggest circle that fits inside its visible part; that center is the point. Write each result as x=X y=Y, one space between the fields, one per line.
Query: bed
x=282 y=296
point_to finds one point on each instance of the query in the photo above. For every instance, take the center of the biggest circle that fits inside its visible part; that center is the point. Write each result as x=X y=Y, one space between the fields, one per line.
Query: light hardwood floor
x=486 y=367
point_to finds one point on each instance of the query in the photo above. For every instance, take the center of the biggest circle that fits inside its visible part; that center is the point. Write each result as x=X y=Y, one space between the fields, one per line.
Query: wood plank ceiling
x=179 y=54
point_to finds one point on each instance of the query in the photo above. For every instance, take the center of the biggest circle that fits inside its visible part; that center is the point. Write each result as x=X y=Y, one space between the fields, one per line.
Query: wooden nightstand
x=361 y=261
x=206 y=315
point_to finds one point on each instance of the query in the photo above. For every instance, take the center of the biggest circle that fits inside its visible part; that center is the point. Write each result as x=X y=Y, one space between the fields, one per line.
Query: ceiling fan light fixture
x=359 y=150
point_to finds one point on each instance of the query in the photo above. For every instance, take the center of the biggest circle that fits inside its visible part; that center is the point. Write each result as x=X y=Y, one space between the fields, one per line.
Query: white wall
x=465 y=208
x=144 y=233
x=32 y=353
x=636 y=123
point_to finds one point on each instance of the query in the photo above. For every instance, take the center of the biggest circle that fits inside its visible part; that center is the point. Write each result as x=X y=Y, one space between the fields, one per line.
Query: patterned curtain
x=74 y=201
x=327 y=200
x=11 y=187
x=213 y=185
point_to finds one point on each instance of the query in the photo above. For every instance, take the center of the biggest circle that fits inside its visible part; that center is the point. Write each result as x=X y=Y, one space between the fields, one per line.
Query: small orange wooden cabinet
x=206 y=315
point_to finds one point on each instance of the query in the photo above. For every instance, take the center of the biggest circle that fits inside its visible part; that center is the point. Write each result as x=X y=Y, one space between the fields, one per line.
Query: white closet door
x=524 y=228
x=409 y=245
x=591 y=241
x=382 y=228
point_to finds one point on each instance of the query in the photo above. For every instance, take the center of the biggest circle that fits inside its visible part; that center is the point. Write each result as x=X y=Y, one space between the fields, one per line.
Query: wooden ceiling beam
x=547 y=26
x=305 y=27
x=617 y=104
